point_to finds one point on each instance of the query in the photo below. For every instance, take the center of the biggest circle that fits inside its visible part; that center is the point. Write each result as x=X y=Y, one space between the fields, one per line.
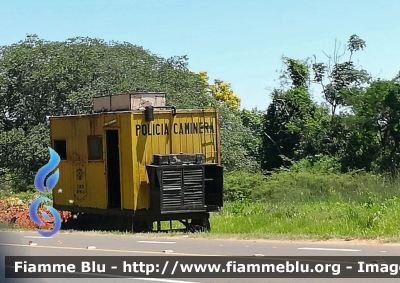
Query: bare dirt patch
x=15 y=213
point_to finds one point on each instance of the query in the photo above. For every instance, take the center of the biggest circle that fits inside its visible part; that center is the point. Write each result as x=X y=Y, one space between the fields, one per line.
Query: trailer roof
x=135 y=111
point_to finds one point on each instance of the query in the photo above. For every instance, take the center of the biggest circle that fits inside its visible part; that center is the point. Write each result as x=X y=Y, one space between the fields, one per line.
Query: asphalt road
x=76 y=244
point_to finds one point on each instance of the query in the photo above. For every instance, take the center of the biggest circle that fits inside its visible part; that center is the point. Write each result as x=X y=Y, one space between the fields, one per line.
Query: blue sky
x=240 y=42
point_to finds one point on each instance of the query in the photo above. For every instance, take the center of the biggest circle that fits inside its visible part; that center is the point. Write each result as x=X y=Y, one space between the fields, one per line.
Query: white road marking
x=327 y=249
x=38 y=237
x=383 y=251
x=155 y=242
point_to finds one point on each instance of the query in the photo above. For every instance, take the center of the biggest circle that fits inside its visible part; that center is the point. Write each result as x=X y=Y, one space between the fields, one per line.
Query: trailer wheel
x=142 y=226
x=200 y=225
x=207 y=225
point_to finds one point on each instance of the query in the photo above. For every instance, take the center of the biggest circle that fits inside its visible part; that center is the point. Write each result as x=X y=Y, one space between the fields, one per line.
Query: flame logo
x=50 y=184
x=45 y=170
x=35 y=218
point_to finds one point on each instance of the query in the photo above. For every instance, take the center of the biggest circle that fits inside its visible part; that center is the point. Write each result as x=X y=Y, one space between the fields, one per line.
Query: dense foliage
x=41 y=78
x=357 y=126
x=358 y=122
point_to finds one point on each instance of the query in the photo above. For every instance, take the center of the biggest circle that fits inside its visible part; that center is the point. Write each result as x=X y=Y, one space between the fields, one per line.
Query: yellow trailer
x=139 y=164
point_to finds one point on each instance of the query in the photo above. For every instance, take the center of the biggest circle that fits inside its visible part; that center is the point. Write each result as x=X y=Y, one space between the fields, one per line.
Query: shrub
x=308 y=181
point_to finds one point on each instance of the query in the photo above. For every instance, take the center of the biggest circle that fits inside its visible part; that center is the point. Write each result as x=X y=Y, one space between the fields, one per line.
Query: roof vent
x=129 y=101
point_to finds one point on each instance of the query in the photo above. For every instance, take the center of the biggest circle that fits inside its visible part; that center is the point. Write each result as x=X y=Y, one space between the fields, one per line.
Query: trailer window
x=95 y=147
x=60 y=146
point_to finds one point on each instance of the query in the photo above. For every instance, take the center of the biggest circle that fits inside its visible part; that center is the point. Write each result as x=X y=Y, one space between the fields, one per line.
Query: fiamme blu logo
x=50 y=184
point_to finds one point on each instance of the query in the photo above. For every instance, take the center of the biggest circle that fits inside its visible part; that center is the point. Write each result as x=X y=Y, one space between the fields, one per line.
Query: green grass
x=315 y=220
x=310 y=204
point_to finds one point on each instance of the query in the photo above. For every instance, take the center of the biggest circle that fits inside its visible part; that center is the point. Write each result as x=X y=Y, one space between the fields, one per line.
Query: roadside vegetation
x=311 y=205
x=298 y=169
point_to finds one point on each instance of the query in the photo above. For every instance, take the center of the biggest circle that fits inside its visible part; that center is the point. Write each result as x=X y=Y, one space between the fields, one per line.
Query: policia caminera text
x=155 y=129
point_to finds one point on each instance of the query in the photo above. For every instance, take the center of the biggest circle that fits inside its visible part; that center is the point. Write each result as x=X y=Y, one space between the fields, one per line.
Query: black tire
x=200 y=225
x=140 y=226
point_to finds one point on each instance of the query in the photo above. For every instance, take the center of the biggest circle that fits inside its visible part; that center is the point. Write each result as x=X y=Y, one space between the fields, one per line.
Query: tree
x=240 y=149
x=297 y=127
x=292 y=119
x=222 y=92
x=41 y=78
x=340 y=80
x=253 y=121
x=378 y=109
